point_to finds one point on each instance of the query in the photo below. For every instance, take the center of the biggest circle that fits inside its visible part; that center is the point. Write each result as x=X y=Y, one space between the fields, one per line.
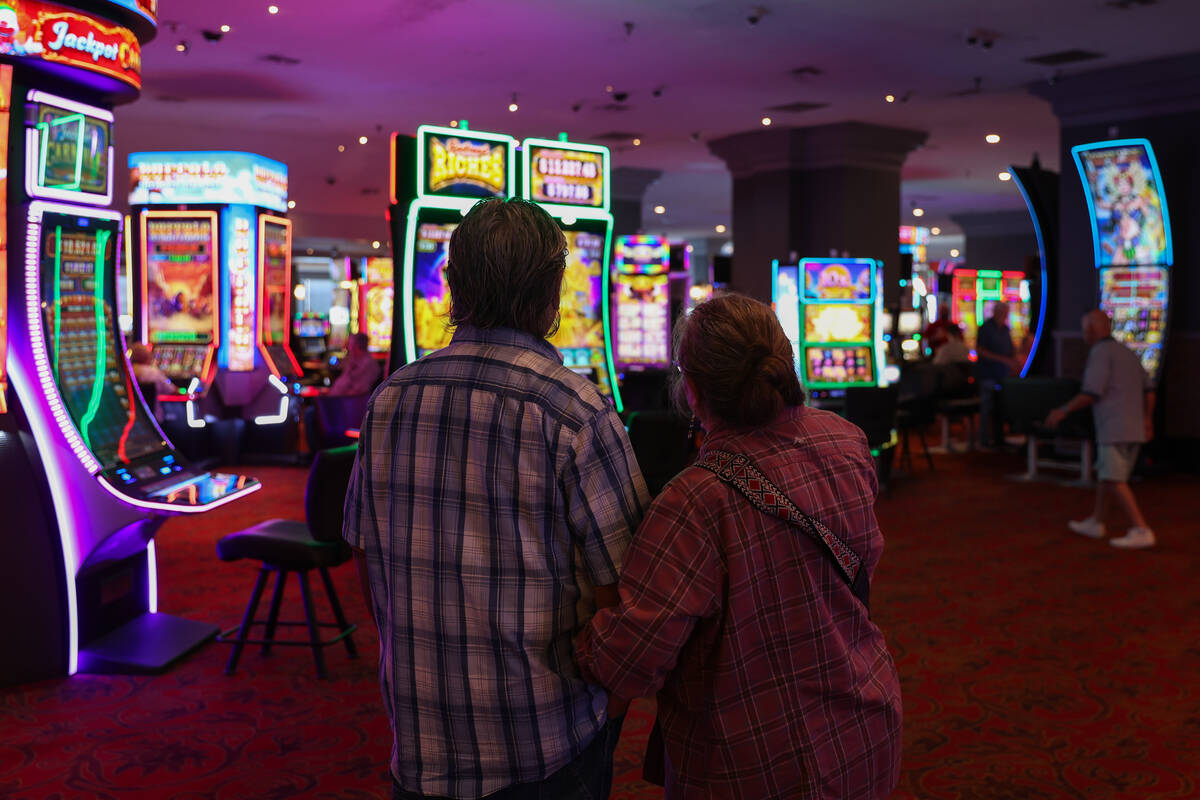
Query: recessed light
x=182 y=47
x=362 y=140
x=954 y=253
x=225 y=29
x=608 y=88
x=272 y=9
x=720 y=229
x=637 y=142
x=341 y=148
x=660 y=209
x=1005 y=176
x=453 y=123
x=375 y=244
x=918 y=212
x=513 y=106
x=291 y=203
x=766 y=121
x=935 y=231
x=890 y=98
x=992 y=138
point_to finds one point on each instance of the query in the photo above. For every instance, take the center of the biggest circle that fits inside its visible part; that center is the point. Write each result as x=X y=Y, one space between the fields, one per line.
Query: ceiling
x=682 y=72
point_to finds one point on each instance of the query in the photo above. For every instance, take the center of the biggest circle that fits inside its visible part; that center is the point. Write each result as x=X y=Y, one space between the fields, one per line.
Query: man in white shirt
x=1122 y=399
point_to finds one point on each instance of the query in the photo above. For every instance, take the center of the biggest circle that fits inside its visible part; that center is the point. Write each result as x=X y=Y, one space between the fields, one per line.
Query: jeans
x=588 y=777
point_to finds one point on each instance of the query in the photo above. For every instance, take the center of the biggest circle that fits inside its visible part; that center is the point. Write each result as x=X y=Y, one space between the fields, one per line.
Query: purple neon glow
x=176 y=509
x=151 y=578
x=33 y=153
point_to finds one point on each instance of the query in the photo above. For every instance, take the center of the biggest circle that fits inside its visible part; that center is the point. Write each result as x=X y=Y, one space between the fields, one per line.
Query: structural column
x=629 y=186
x=813 y=192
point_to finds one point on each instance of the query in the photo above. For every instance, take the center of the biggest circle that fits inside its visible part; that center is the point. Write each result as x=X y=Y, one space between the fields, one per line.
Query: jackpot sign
x=461 y=165
x=50 y=32
x=567 y=177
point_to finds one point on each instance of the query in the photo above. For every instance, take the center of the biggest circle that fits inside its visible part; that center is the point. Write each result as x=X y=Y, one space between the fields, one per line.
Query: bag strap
x=741 y=473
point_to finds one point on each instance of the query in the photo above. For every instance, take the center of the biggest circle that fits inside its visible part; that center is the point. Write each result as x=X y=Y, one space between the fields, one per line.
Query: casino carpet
x=1035 y=664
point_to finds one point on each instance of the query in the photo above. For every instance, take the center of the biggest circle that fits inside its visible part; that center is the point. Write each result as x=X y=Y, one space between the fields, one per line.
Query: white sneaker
x=1135 y=539
x=1088 y=527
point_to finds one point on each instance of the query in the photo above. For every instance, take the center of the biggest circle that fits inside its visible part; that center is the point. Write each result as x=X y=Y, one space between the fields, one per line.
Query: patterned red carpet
x=1035 y=664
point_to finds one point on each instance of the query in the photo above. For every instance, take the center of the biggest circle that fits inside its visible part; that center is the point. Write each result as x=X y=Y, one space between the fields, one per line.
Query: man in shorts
x=1122 y=399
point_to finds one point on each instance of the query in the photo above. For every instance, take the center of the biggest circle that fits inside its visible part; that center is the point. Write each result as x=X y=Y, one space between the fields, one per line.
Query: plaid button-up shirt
x=772 y=682
x=493 y=489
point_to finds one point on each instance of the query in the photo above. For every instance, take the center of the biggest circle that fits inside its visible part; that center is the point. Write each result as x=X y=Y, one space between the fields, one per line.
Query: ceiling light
x=182 y=47
x=935 y=231
x=513 y=105
x=766 y=121
x=309 y=251
x=1005 y=176
x=720 y=229
x=608 y=88
x=291 y=203
x=954 y=253
x=362 y=140
x=660 y=209
x=225 y=29
x=918 y=212
x=453 y=123
x=891 y=98
x=300 y=292
x=341 y=148
x=272 y=9
x=637 y=142
x=375 y=244
x=992 y=138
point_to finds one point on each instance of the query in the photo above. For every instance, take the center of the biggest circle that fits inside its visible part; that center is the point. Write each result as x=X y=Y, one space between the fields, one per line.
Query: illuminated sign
x=179 y=277
x=207 y=177
x=567 y=175
x=1123 y=186
x=50 y=32
x=466 y=166
x=850 y=280
x=275 y=293
x=241 y=297
x=68 y=150
x=146 y=8
x=5 y=107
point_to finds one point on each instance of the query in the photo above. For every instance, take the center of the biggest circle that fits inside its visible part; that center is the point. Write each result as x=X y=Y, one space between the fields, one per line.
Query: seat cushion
x=284 y=544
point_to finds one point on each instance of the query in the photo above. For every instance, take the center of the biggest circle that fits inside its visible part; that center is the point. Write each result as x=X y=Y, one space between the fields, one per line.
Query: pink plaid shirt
x=772 y=681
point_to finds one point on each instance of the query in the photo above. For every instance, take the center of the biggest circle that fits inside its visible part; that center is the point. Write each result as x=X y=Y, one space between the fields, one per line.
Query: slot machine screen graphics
x=431 y=294
x=1136 y=300
x=275 y=294
x=376 y=304
x=179 y=289
x=841 y=338
x=785 y=300
x=642 y=294
x=580 y=335
x=77 y=257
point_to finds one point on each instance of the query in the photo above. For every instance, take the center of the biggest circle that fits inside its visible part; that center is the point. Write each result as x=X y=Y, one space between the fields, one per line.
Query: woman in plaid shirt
x=772 y=680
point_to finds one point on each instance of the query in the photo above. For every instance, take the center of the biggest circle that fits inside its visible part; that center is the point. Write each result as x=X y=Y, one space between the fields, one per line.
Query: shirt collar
x=505 y=337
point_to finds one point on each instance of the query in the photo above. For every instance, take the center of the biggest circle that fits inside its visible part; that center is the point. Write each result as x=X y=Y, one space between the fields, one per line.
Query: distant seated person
x=937 y=333
x=146 y=373
x=953 y=350
x=360 y=370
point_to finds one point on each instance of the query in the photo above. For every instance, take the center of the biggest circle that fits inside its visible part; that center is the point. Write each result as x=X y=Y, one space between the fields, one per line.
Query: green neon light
x=604 y=294
x=102 y=237
x=498 y=138
x=44 y=129
x=983 y=295
x=57 y=295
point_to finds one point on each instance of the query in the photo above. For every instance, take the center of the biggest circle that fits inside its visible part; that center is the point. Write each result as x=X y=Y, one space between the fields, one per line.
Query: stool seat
x=281 y=543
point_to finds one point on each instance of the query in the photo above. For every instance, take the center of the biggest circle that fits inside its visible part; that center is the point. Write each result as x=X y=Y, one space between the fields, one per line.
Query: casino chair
x=284 y=546
x=875 y=410
x=661 y=444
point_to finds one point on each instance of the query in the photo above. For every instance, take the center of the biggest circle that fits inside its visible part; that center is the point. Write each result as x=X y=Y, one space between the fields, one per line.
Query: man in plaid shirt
x=492 y=500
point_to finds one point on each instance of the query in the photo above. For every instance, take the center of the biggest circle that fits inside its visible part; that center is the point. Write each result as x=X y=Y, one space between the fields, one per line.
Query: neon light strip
x=192 y=420
x=264 y=333
x=151 y=578
x=45 y=98
x=275 y=419
x=392 y=167
x=175 y=509
x=101 y=339
x=1077 y=150
x=44 y=133
x=527 y=173
x=57 y=296
x=605 y=279
x=33 y=147
x=876 y=322
x=498 y=138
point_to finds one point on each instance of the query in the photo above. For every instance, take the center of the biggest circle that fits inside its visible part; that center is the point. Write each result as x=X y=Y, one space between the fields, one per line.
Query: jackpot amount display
x=84 y=348
x=179 y=280
x=431 y=295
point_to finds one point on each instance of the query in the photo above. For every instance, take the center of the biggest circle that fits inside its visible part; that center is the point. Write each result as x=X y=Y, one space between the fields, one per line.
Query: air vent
x=1064 y=57
x=797 y=107
x=808 y=70
x=282 y=60
x=170 y=98
x=369 y=190
x=1128 y=4
x=614 y=107
x=614 y=136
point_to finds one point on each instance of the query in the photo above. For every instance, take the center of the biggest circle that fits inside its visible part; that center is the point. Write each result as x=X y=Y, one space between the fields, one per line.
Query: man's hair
x=505 y=268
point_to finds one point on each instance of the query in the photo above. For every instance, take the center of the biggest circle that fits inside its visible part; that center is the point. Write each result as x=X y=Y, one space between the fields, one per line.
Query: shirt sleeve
x=672 y=580
x=1096 y=372
x=605 y=495
x=358 y=514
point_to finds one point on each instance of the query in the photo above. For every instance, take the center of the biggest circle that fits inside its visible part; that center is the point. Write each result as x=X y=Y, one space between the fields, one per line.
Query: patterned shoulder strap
x=742 y=474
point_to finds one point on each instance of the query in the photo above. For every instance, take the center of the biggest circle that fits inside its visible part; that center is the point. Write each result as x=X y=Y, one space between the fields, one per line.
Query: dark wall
x=1010 y=251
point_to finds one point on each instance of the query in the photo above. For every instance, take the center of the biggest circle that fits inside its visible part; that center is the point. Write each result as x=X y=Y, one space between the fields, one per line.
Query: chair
x=661 y=444
x=918 y=407
x=284 y=546
x=1027 y=401
x=875 y=411
x=335 y=415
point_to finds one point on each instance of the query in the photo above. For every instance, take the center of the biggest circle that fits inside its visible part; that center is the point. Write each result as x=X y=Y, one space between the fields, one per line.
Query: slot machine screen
x=74 y=151
x=431 y=294
x=77 y=256
x=1130 y=227
x=839 y=366
x=837 y=323
x=580 y=335
x=276 y=284
x=1136 y=299
x=180 y=294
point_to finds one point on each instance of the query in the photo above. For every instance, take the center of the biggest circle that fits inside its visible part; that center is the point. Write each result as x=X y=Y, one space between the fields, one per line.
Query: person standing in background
x=997 y=360
x=1121 y=395
x=360 y=370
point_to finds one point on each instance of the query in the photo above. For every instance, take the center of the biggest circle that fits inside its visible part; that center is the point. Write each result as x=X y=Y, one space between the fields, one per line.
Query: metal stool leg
x=247 y=621
x=273 y=615
x=337 y=610
x=925 y=448
x=311 y=617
